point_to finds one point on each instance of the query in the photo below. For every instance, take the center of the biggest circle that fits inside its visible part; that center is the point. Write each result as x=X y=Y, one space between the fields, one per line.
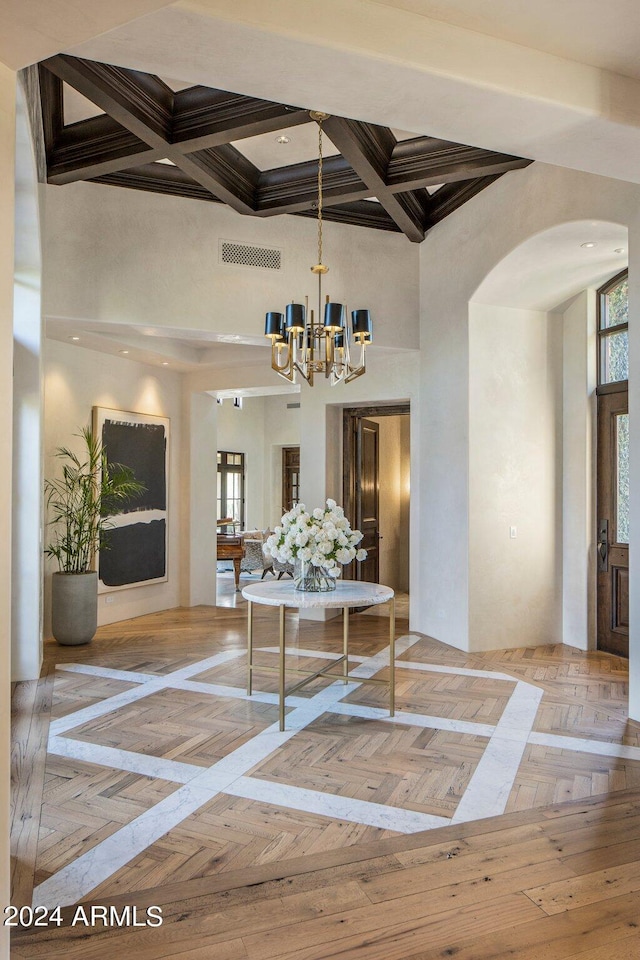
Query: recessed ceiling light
x=165 y=363
x=283 y=139
x=589 y=244
x=619 y=250
x=74 y=338
x=124 y=352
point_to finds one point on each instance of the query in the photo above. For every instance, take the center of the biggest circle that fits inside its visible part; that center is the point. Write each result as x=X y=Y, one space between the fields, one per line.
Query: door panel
x=367 y=496
x=290 y=477
x=613 y=523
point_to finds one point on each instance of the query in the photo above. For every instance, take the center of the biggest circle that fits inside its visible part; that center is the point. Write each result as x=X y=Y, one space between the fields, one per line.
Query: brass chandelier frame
x=302 y=344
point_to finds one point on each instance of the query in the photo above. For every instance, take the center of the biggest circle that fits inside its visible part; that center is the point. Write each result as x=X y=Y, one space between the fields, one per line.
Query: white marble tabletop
x=348 y=593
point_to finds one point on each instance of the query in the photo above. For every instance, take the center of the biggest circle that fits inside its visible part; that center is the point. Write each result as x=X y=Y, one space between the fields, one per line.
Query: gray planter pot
x=74 y=607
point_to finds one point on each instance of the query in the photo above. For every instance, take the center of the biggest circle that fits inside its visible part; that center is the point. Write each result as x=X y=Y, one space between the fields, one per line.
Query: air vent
x=293 y=406
x=248 y=255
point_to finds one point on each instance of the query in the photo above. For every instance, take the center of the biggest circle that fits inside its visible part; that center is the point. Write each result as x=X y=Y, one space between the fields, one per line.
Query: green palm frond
x=82 y=500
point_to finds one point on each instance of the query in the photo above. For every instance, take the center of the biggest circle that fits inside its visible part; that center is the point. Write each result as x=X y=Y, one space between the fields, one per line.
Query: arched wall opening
x=532 y=379
x=454 y=261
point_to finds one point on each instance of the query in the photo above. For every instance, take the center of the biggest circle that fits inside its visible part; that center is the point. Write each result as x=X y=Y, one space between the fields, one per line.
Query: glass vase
x=307 y=576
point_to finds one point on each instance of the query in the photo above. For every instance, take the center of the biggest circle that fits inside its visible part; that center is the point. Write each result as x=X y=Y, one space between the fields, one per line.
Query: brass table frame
x=284 y=691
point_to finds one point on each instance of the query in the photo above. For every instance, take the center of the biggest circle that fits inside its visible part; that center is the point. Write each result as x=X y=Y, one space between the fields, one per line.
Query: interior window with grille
x=613 y=330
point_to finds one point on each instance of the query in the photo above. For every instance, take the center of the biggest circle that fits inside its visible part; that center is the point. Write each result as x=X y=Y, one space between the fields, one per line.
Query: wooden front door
x=613 y=522
x=366 y=491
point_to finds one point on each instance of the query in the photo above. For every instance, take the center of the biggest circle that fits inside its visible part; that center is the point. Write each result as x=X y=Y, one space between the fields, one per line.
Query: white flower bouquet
x=323 y=538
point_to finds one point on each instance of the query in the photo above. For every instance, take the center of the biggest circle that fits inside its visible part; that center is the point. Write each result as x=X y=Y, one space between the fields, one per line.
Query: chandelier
x=302 y=344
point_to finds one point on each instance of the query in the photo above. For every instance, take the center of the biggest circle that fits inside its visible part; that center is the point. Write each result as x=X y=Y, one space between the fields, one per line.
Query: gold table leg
x=392 y=657
x=281 y=665
x=345 y=643
x=249 y=648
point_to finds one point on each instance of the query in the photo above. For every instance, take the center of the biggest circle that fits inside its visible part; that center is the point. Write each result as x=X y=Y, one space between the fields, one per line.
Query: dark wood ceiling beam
x=158 y=178
x=368 y=148
x=224 y=171
x=204 y=118
x=451 y=196
x=96 y=147
x=425 y=161
x=143 y=105
x=51 y=100
x=360 y=213
x=145 y=121
x=294 y=189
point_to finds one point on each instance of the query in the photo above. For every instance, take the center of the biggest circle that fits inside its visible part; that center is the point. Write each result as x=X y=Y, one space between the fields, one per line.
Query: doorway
x=376 y=490
x=613 y=521
x=290 y=477
x=613 y=466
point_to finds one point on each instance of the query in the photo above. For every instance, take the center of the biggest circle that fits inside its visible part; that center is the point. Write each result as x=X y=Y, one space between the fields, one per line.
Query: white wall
x=198 y=505
x=578 y=471
x=7 y=147
x=515 y=436
x=242 y=430
x=281 y=429
x=454 y=261
x=27 y=519
x=77 y=379
x=139 y=274
x=260 y=429
x=153 y=260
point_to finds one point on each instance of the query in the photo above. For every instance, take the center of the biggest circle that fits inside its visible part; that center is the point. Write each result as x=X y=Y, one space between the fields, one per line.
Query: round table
x=348 y=594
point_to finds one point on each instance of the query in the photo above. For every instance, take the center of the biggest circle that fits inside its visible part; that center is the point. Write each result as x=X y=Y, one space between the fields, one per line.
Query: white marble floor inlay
x=486 y=794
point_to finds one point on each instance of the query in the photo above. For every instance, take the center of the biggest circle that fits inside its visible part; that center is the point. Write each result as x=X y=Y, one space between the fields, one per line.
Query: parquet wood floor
x=559 y=882
x=311 y=844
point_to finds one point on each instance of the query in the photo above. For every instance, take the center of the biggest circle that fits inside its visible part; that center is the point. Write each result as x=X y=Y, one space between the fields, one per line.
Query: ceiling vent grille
x=248 y=255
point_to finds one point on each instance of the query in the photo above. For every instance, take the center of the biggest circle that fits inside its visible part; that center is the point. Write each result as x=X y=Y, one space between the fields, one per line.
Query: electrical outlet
x=110 y=598
x=513 y=532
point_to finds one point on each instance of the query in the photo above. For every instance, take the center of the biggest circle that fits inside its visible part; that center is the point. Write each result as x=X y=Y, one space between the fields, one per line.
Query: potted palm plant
x=80 y=503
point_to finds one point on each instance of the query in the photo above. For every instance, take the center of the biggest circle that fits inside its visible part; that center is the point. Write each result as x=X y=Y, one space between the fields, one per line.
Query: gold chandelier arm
x=285 y=369
x=357 y=371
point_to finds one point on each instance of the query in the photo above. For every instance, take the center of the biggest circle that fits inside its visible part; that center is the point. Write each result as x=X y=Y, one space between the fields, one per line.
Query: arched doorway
x=532 y=438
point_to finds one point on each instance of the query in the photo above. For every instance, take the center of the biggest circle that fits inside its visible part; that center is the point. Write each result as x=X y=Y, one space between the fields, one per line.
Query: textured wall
x=515 y=479
x=7 y=145
x=154 y=260
x=76 y=380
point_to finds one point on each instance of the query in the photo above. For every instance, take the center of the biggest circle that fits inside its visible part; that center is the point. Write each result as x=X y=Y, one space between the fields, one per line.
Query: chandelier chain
x=300 y=344
x=319 y=191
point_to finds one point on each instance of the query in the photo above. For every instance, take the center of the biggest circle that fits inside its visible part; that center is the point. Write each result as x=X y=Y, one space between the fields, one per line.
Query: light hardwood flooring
x=445 y=831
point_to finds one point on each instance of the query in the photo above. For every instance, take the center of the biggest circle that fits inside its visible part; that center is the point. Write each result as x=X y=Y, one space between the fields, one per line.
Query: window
x=613 y=326
x=231 y=486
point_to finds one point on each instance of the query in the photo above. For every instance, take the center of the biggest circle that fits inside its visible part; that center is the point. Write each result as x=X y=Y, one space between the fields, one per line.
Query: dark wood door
x=290 y=477
x=367 y=491
x=613 y=523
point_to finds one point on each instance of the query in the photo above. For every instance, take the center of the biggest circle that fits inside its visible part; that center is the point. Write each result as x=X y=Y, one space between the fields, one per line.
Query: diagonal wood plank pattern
x=291 y=845
x=408 y=767
x=486 y=891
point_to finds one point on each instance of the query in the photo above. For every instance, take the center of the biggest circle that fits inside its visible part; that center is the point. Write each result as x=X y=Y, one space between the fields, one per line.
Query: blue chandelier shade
x=295 y=318
x=361 y=324
x=333 y=317
x=274 y=325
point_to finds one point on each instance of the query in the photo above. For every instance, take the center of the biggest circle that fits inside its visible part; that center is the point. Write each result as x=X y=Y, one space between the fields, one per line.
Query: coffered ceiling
x=118 y=126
